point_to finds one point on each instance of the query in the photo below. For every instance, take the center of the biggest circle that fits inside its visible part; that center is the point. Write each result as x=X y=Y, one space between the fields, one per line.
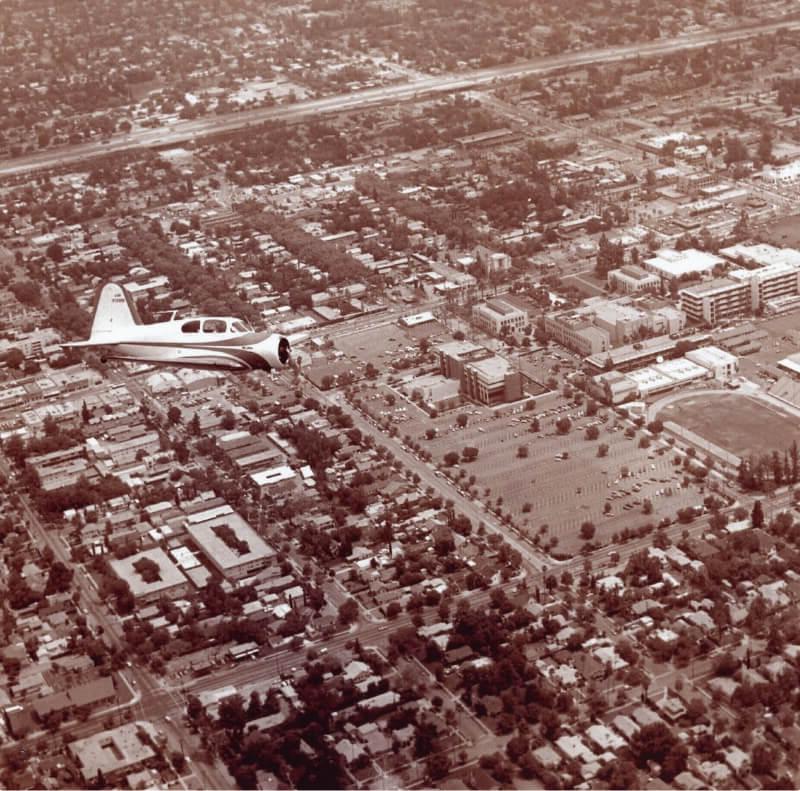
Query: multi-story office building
x=455 y=355
x=715 y=300
x=492 y=381
x=575 y=331
x=769 y=282
x=497 y=317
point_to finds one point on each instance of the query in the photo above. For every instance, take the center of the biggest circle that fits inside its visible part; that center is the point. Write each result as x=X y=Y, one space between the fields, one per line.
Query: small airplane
x=205 y=342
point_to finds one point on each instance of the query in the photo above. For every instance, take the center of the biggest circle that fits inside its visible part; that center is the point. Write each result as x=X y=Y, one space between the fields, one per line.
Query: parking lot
x=562 y=478
x=780 y=343
x=378 y=345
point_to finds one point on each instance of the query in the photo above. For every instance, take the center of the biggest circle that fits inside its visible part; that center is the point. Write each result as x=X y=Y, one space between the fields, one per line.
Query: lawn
x=737 y=423
x=785 y=232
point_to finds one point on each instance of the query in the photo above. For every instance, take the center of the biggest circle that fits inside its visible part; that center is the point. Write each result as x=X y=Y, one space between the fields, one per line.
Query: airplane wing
x=79 y=344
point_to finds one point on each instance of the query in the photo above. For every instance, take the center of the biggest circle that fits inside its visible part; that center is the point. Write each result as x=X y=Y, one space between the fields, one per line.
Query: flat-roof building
x=723 y=365
x=715 y=300
x=575 y=331
x=492 y=381
x=632 y=280
x=781 y=279
x=497 y=316
x=758 y=255
x=230 y=544
x=455 y=355
x=112 y=754
x=275 y=480
x=612 y=387
x=619 y=321
x=151 y=575
x=674 y=264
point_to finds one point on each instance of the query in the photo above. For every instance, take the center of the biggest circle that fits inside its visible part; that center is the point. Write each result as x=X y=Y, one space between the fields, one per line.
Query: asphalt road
x=184 y=131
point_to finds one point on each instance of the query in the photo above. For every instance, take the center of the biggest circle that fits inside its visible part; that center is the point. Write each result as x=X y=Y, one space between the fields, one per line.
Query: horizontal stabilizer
x=80 y=344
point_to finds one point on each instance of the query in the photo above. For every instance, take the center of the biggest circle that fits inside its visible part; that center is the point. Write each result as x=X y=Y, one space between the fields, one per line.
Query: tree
x=14 y=358
x=592 y=432
x=55 y=252
x=735 y=150
x=757 y=515
x=348 y=611
x=469 y=453
x=647 y=506
x=563 y=425
x=652 y=743
x=174 y=415
x=602 y=450
x=622 y=775
x=522 y=452
x=764 y=759
x=462 y=420
x=450 y=458
x=438 y=766
x=587 y=531
x=59 y=579
x=232 y=715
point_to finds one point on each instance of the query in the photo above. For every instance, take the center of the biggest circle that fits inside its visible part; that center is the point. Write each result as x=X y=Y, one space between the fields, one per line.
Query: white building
x=672 y=264
x=632 y=280
x=149 y=584
x=786 y=174
x=714 y=300
x=781 y=279
x=229 y=543
x=496 y=316
x=275 y=479
x=722 y=364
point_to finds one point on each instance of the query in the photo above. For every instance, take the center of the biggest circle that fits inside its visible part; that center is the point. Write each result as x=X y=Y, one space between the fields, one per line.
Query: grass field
x=737 y=423
x=784 y=233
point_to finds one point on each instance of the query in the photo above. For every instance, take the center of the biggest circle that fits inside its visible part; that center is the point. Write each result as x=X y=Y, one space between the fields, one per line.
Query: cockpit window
x=214 y=325
x=191 y=326
x=240 y=326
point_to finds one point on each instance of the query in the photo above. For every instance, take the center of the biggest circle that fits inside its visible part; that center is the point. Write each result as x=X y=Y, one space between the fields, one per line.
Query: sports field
x=737 y=423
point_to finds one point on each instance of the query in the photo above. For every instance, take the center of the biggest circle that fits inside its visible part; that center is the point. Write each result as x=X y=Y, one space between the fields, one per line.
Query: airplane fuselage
x=206 y=343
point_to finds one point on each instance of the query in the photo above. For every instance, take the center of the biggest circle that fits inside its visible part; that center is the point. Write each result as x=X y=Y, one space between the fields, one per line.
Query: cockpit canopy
x=215 y=325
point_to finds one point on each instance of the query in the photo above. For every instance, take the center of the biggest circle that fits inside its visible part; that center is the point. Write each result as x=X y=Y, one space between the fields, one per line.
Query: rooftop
x=711 y=287
x=226 y=556
x=674 y=263
x=492 y=368
x=112 y=751
x=169 y=574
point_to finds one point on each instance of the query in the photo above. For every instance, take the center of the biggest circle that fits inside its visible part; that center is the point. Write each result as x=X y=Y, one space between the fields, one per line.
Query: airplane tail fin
x=114 y=312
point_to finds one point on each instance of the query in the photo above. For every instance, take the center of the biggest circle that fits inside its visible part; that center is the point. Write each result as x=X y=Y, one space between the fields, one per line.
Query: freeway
x=420 y=87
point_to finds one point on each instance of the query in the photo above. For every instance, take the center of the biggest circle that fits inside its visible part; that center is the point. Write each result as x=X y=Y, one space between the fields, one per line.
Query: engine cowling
x=276 y=351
